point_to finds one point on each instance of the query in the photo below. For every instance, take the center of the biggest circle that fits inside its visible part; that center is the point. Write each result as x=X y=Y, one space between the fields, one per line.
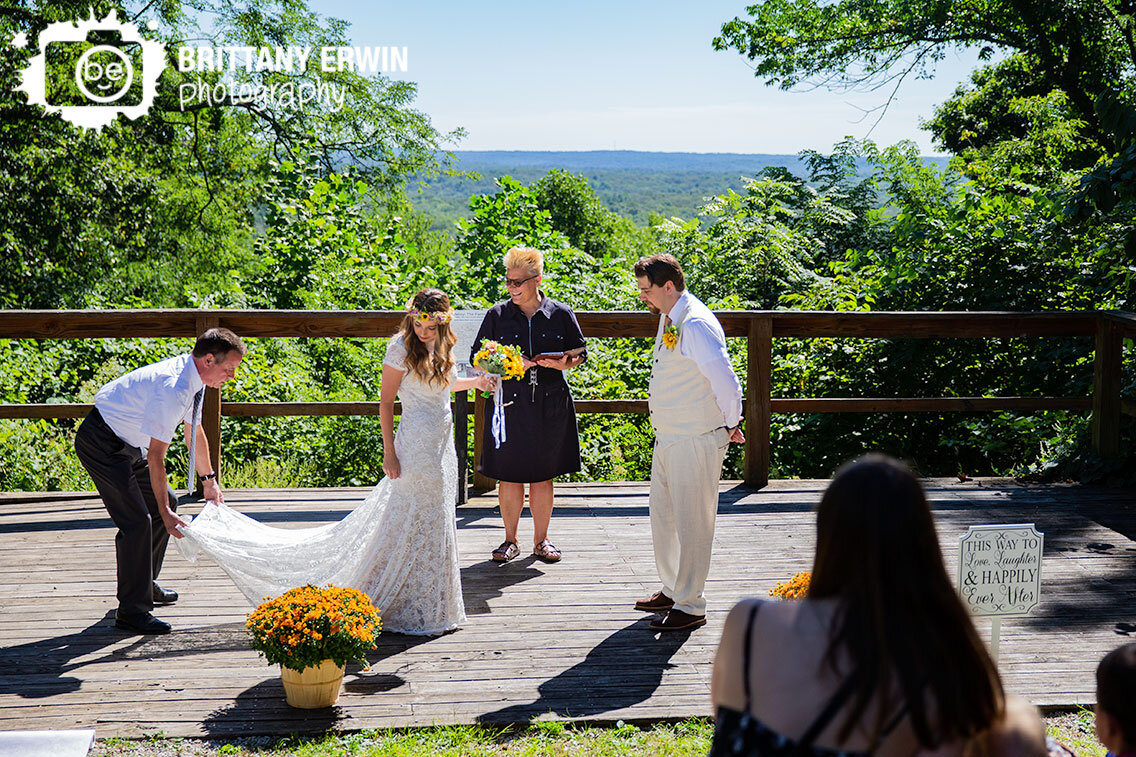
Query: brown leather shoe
x=677 y=620
x=657 y=602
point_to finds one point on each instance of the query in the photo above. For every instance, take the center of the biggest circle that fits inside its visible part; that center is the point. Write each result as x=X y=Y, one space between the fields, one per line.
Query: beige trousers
x=684 y=503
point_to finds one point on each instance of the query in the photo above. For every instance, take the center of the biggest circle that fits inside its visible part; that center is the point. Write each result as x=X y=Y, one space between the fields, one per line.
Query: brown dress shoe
x=677 y=620
x=657 y=602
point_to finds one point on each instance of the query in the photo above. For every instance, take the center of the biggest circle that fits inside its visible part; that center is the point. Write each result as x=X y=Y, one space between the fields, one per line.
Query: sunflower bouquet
x=502 y=360
x=498 y=359
x=307 y=625
x=796 y=587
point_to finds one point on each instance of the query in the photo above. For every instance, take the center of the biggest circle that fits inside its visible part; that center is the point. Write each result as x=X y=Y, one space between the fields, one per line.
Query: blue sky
x=622 y=74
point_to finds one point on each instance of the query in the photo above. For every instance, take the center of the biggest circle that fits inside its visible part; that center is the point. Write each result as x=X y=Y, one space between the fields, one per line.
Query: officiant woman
x=541 y=440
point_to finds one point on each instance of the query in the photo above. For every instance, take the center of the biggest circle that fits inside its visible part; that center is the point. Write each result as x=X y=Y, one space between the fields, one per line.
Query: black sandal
x=506 y=552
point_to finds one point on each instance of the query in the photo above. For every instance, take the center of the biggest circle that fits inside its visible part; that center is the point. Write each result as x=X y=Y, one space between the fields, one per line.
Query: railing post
x=1106 y=388
x=484 y=483
x=759 y=349
x=211 y=409
x=461 y=423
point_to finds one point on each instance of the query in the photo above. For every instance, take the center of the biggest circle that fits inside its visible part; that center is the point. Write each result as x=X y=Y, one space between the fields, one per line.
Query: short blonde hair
x=529 y=258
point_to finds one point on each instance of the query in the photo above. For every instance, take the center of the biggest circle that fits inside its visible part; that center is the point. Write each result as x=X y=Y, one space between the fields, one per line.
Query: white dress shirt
x=702 y=340
x=149 y=402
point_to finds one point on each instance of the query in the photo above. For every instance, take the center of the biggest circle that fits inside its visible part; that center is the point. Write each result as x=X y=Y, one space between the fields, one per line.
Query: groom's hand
x=736 y=435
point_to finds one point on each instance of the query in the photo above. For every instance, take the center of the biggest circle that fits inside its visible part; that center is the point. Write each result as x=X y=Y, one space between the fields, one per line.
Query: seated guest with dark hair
x=881 y=657
x=1116 y=701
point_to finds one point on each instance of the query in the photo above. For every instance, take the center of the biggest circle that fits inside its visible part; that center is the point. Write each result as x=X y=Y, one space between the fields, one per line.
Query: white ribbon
x=498 y=416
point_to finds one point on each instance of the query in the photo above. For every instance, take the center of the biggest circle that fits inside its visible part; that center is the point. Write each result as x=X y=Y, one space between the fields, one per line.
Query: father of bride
x=122 y=443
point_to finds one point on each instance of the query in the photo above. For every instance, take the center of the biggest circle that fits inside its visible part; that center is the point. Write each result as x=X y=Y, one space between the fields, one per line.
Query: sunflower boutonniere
x=670 y=336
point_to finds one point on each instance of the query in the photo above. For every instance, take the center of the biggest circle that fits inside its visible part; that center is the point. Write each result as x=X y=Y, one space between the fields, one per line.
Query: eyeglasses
x=514 y=283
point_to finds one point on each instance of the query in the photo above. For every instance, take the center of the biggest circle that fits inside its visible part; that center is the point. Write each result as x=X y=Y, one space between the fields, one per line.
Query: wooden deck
x=543 y=641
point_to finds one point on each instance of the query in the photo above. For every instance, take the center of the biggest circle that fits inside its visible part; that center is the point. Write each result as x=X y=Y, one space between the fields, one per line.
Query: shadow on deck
x=542 y=641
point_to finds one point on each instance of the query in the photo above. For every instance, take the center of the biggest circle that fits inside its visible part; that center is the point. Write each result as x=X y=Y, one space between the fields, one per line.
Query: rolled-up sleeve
x=573 y=334
x=702 y=343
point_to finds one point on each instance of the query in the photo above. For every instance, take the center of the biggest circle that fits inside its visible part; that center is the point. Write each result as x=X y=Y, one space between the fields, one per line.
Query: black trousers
x=122 y=477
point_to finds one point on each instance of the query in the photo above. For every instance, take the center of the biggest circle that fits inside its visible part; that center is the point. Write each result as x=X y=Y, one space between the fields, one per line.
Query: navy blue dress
x=542 y=441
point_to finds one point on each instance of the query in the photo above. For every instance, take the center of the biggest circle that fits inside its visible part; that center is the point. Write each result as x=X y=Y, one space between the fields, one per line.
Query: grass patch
x=1076 y=730
x=556 y=738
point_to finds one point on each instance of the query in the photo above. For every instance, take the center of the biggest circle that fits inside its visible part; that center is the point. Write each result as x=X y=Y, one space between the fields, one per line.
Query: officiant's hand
x=391 y=466
x=562 y=363
x=173 y=523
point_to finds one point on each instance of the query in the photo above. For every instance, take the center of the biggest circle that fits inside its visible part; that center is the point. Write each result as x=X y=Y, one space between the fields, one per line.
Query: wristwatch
x=207 y=476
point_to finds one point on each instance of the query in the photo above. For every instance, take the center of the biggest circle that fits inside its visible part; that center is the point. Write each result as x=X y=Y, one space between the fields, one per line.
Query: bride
x=400 y=545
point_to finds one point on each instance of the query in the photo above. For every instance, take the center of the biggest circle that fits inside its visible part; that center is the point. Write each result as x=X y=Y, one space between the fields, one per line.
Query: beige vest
x=681 y=399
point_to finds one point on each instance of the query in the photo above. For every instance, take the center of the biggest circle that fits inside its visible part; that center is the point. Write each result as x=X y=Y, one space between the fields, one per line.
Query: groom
x=695 y=401
x=122 y=443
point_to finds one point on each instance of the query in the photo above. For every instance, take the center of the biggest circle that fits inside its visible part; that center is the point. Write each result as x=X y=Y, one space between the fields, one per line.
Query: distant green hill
x=633 y=184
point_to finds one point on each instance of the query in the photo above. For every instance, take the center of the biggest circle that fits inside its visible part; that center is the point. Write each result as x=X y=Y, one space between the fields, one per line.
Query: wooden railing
x=759 y=328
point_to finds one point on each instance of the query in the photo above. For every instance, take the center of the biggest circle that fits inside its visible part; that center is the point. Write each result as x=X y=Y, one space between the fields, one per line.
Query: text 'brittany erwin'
x=293 y=59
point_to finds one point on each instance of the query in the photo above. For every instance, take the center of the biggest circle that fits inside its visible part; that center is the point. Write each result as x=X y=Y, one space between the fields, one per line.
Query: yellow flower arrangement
x=670 y=336
x=796 y=587
x=502 y=360
x=306 y=625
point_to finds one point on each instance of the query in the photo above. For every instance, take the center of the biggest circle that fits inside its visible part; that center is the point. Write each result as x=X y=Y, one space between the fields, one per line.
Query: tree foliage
x=232 y=206
x=172 y=194
x=1078 y=47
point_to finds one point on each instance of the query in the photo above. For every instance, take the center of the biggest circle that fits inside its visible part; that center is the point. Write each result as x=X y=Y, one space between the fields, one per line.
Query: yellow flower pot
x=313 y=687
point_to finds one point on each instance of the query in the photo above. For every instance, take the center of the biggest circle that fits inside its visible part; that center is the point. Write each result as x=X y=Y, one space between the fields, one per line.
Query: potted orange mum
x=311 y=633
x=796 y=587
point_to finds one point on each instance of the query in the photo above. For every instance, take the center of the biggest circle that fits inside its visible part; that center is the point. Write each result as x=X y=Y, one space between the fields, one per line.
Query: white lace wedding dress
x=399 y=546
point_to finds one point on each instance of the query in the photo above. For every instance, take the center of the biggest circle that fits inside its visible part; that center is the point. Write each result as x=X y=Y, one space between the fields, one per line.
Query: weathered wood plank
x=926 y=404
x=927 y=325
x=541 y=640
x=1106 y=388
x=757 y=406
x=635 y=406
x=94 y=324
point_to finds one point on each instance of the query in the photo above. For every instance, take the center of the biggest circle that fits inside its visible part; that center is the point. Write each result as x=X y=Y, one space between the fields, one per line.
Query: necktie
x=194 y=422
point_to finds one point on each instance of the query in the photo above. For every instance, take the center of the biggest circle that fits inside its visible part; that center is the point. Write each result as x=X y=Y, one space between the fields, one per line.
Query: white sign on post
x=465 y=325
x=1000 y=572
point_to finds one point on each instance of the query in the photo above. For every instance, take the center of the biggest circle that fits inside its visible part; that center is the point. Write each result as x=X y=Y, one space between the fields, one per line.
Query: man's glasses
x=513 y=283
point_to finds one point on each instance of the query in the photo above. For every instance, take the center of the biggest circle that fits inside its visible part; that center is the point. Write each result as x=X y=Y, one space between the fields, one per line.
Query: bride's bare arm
x=392 y=379
x=483 y=382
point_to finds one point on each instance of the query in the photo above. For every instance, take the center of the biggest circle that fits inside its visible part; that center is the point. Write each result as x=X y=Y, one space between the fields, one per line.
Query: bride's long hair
x=432 y=367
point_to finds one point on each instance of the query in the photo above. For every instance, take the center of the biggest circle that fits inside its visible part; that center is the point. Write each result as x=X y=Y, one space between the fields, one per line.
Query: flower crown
x=437 y=316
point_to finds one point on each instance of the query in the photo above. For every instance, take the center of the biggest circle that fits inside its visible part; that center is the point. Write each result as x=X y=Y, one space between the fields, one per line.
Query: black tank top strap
x=747 y=653
x=826 y=715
